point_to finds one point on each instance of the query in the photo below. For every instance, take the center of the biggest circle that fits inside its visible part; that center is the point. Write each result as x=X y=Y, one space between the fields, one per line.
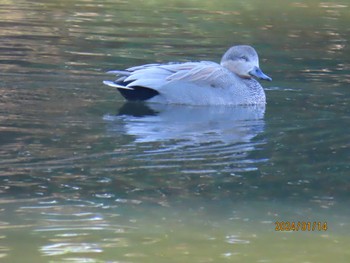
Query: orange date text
x=301 y=226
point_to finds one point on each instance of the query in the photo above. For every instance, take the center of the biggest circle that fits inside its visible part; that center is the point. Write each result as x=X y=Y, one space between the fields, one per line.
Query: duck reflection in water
x=188 y=124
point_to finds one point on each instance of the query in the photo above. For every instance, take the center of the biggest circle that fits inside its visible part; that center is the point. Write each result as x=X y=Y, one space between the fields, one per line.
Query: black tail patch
x=138 y=93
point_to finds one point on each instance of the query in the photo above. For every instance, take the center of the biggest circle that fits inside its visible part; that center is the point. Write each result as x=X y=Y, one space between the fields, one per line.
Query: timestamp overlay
x=320 y=226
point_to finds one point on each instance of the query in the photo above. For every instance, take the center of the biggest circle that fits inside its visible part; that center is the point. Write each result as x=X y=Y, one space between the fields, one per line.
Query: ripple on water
x=195 y=138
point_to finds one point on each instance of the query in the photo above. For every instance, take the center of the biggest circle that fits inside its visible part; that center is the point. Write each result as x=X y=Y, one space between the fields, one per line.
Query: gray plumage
x=196 y=83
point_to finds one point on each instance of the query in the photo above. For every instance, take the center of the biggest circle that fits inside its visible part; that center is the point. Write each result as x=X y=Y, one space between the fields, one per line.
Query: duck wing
x=155 y=76
x=202 y=73
x=151 y=76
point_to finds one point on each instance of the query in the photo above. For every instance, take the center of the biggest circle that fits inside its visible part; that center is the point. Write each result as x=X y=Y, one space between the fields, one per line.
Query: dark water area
x=87 y=177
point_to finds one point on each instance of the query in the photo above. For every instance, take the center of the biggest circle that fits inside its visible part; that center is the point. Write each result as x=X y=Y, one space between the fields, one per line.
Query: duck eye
x=245 y=58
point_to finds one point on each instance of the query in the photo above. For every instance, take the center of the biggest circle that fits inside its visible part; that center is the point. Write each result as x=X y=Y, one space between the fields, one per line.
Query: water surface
x=86 y=177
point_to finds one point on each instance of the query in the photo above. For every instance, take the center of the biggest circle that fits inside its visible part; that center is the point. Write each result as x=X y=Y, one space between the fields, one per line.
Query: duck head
x=243 y=61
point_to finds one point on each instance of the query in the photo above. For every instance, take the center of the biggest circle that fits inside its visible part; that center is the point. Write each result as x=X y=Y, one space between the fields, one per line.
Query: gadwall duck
x=196 y=83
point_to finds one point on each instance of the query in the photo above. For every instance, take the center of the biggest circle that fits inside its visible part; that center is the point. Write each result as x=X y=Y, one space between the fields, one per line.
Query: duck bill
x=256 y=72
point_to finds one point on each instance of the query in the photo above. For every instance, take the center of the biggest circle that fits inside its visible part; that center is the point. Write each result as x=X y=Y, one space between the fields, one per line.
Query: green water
x=86 y=177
